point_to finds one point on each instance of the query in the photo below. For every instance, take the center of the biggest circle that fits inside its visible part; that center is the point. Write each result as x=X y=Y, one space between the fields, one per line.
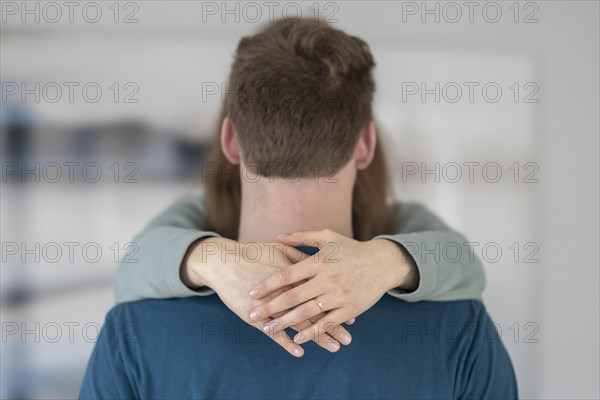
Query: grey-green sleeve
x=448 y=269
x=162 y=245
x=154 y=270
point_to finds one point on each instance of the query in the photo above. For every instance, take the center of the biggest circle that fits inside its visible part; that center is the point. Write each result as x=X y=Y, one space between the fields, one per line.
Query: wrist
x=197 y=268
x=399 y=265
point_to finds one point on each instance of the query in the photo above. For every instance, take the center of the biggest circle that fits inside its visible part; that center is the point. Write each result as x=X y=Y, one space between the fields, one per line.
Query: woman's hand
x=231 y=269
x=345 y=278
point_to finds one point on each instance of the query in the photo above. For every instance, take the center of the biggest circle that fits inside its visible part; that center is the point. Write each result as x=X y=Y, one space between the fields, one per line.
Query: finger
x=272 y=296
x=287 y=276
x=283 y=339
x=279 y=314
x=325 y=341
x=292 y=254
x=285 y=301
x=303 y=312
x=307 y=238
x=341 y=334
x=351 y=321
x=288 y=344
x=338 y=332
x=326 y=323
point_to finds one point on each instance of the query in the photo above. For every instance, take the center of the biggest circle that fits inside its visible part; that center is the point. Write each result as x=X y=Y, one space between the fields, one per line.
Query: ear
x=365 y=148
x=229 y=143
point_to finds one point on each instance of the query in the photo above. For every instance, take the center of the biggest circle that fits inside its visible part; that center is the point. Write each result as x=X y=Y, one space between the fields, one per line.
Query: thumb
x=291 y=254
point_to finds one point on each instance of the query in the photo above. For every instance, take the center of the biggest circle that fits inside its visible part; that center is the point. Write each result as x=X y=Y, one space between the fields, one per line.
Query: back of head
x=300 y=92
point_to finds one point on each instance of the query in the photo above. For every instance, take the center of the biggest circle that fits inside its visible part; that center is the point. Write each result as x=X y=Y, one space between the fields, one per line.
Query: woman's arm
x=164 y=243
x=162 y=248
x=447 y=267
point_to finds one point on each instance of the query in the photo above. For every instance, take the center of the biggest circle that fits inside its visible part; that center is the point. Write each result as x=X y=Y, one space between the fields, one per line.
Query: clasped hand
x=274 y=286
x=343 y=280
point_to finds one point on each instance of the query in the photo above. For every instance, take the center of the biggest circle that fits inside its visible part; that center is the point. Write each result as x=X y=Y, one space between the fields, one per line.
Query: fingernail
x=254 y=315
x=270 y=327
x=253 y=293
x=298 y=351
x=333 y=345
x=345 y=338
x=298 y=337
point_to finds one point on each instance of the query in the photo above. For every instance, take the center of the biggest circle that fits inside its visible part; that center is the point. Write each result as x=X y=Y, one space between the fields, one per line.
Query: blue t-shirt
x=197 y=348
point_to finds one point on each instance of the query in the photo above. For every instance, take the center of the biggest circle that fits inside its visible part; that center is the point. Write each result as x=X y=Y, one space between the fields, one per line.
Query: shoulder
x=413 y=216
x=163 y=308
x=470 y=316
x=464 y=315
x=162 y=317
x=464 y=319
x=460 y=310
x=404 y=208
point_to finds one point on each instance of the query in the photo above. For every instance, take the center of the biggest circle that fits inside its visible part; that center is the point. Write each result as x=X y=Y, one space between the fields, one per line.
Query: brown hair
x=300 y=93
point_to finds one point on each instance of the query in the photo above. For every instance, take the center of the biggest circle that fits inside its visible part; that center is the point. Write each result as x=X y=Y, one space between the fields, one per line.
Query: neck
x=280 y=206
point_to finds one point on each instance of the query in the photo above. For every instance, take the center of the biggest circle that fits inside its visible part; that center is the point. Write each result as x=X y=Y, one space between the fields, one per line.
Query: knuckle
x=290 y=297
x=285 y=276
x=334 y=330
x=328 y=326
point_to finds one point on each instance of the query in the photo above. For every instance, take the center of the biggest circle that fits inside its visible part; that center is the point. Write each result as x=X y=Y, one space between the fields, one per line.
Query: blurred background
x=489 y=112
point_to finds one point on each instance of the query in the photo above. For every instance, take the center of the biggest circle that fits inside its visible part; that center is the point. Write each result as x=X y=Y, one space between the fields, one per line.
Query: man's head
x=300 y=101
x=299 y=105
